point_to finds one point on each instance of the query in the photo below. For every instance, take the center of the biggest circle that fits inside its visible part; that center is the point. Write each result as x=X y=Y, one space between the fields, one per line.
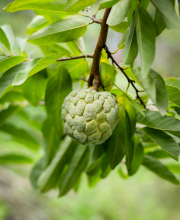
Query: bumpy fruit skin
x=89 y=116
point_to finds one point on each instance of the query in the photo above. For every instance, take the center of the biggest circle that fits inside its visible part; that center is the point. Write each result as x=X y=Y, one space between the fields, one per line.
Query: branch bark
x=74 y=58
x=97 y=53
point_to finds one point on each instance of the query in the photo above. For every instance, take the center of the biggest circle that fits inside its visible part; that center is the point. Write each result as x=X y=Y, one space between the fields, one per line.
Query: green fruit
x=90 y=116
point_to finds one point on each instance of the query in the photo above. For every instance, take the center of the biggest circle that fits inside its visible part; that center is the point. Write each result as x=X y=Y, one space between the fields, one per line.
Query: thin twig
x=82 y=78
x=127 y=77
x=74 y=58
x=93 y=17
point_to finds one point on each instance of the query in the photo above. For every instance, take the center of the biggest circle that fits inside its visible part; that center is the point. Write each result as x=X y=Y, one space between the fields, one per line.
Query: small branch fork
x=93 y=17
x=127 y=77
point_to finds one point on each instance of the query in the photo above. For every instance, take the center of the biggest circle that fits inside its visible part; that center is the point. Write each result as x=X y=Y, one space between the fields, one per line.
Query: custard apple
x=89 y=116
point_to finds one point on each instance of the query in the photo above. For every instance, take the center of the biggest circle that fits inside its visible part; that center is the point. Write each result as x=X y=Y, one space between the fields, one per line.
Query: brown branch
x=74 y=58
x=97 y=53
x=127 y=77
x=93 y=17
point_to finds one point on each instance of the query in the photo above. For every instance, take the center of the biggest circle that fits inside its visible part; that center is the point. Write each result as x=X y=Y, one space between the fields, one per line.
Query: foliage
x=32 y=92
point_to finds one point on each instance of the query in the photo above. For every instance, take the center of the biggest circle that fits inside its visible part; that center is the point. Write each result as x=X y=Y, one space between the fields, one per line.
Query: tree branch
x=74 y=58
x=93 y=17
x=127 y=77
x=97 y=53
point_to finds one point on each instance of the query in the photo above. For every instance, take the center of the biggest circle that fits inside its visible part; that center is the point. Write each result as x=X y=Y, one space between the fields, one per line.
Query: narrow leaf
x=146 y=34
x=58 y=32
x=5 y=114
x=10 y=62
x=34 y=88
x=58 y=87
x=51 y=175
x=107 y=75
x=36 y=24
x=119 y=12
x=107 y=3
x=8 y=77
x=155 y=88
x=154 y=120
x=52 y=139
x=168 y=13
x=15 y=159
x=21 y=136
x=76 y=167
x=165 y=141
x=116 y=144
x=77 y=5
x=131 y=49
x=159 y=22
x=137 y=156
x=4 y=40
x=159 y=169
x=35 y=66
x=18 y=3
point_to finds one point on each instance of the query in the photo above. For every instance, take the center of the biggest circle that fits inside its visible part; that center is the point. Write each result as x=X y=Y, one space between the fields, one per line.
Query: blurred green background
x=141 y=197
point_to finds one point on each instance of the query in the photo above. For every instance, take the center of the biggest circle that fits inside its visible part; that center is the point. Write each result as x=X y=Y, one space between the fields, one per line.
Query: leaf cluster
x=32 y=92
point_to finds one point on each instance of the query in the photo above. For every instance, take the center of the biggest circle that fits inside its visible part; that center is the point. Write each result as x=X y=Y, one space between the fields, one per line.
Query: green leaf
x=122 y=42
x=21 y=44
x=159 y=169
x=36 y=24
x=9 y=36
x=15 y=159
x=119 y=12
x=174 y=95
x=131 y=49
x=137 y=156
x=122 y=27
x=158 y=154
x=175 y=82
x=165 y=141
x=155 y=88
x=107 y=3
x=5 y=114
x=8 y=77
x=168 y=12
x=58 y=32
x=96 y=151
x=145 y=3
x=11 y=97
x=10 y=62
x=132 y=102
x=159 y=22
x=154 y=120
x=146 y=34
x=105 y=167
x=13 y=6
x=35 y=66
x=107 y=75
x=52 y=138
x=36 y=171
x=76 y=167
x=58 y=87
x=77 y=5
x=76 y=68
x=21 y=136
x=4 y=40
x=120 y=139
x=51 y=175
x=34 y=88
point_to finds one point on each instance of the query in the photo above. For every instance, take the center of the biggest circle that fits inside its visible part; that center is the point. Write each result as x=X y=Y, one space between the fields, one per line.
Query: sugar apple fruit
x=89 y=116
